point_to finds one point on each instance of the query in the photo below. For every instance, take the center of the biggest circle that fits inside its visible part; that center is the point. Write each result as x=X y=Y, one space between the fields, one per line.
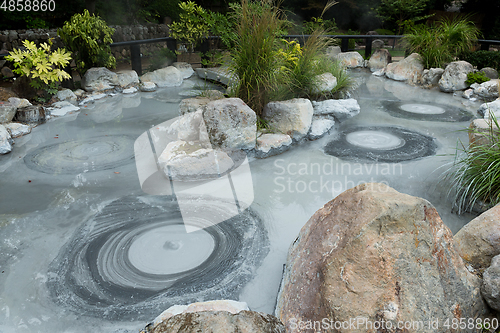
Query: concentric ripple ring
x=135 y=259
x=388 y=144
x=77 y=156
x=426 y=111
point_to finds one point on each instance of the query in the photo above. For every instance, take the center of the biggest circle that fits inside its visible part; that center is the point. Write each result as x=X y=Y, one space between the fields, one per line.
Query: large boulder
x=324 y=83
x=379 y=60
x=5 y=141
x=431 y=77
x=491 y=284
x=190 y=161
x=490 y=72
x=66 y=95
x=230 y=124
x=487 y=109
x=488 y=90
x=164 y=77
x=193 y=104
x=191 y=127
x=351 y=59
x=220 y=322
x=479 y=240
x=184 y=68
x=341 y=109
x=454 y=76
x=271 y=144
x=410 y=69
x=127 y=78
x=7 y=112
x=376 y=254
x=99 y=79
x=320 y=126
x=292 y=117
x=480 y=132
x=17 y=130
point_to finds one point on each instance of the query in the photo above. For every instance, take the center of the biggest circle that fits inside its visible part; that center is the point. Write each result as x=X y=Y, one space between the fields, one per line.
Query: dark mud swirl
x=77 y=156
x=134 y=259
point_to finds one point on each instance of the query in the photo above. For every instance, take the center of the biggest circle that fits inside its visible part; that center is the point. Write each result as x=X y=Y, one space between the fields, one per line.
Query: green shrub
x=384 y=32
x=41 y=66
x=88 y=38
x=476 y=172
x=482 y=59
x=317 y=23
x=191 y=26
x=161 y=58
x=476 y=77
x=442 y=42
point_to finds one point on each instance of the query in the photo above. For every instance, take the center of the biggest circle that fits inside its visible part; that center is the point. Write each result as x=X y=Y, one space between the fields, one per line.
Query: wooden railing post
x=135 y=55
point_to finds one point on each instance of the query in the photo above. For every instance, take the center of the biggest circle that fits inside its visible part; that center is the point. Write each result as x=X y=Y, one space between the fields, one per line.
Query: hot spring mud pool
x=84 y=248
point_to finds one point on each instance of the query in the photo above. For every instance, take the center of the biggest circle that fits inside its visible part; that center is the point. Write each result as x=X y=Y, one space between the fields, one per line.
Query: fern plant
x=41 y=66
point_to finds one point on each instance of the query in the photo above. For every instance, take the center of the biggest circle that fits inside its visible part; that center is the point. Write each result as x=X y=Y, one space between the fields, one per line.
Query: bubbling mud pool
x=84 y=248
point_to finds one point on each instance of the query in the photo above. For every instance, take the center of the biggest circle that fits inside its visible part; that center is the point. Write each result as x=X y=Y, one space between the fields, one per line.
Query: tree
x=396 y=12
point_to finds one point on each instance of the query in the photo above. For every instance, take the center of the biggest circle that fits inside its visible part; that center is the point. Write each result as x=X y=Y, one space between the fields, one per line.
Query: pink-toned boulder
x=410 y=69
x=379 y=60
x=379 y=255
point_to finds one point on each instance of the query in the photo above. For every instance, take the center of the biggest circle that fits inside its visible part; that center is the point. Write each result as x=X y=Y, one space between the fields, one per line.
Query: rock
x=292 y=117
x=7 y=72
x=164 y=77
x=130 y=90
x=341 y=109
x=479 y=240
x=190 y=161
x=410 y=69
x=34 y=114
x=127 y=78
x=5 y=141
x=333 y=51
x=378 y=44
x=230 y=306
x=430 y=77
x=454 y=76
x=5 y=94
x=377 y=254
x=184 y=68
x=147 y=86
x=219 y=74
x=324 y=83
x=486 y=109
x=99 y=79
x=491 y=284
x=480 y=132
x=7 y=112
x=213 y=94
x=61 y=108
x=79 y=92
x=19 y=102
x=91 y=98
x=17 y=130
x=230 y=124
x=220 y=322
x=488 y=89
x=191 y=127
x=192 y=104
x=490 y=72
x=351 y=59
x=379 y=60
x=66 y=95
x=271 y=144
x=320 y=126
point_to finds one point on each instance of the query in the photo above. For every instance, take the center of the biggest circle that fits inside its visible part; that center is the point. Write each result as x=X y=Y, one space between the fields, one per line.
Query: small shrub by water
x=443 y=41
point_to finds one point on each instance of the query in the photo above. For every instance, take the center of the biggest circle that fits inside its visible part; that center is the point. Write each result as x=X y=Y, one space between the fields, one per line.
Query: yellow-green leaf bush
x=41 y=65
x=88 y=37
x=191 y=26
